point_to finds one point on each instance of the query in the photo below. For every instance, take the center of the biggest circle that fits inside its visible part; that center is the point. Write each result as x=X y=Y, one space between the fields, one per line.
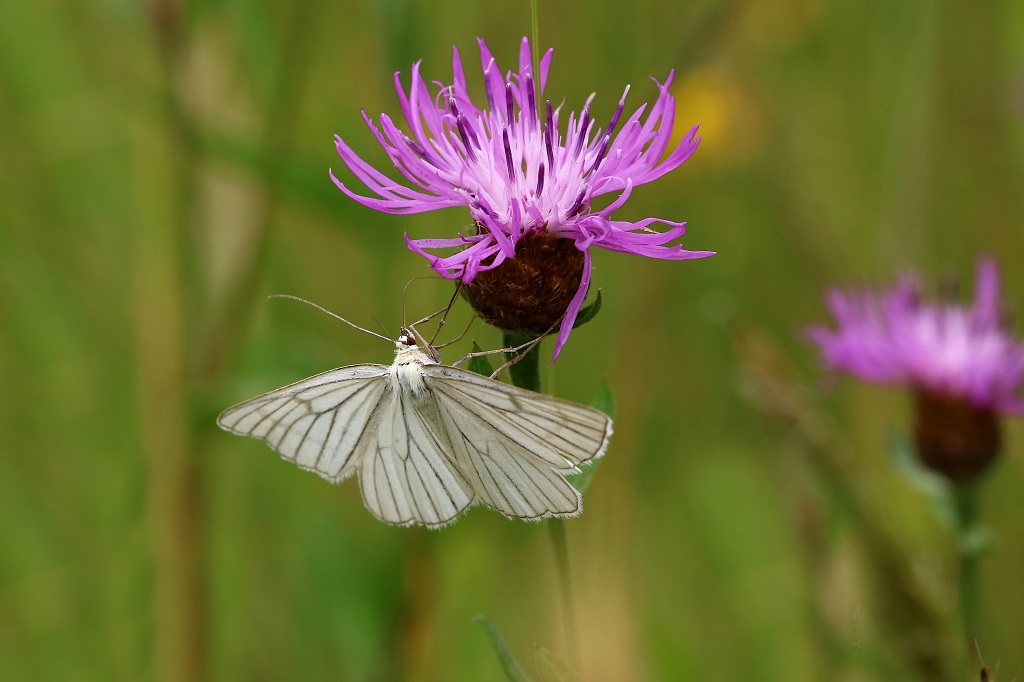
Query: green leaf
x=508 y=662
x=933 y=486
x=976 y=541
x=588 y=313
x=581 y=481
x=525 y=373
x=604 y=401
x=553 y=668
x=479 y=363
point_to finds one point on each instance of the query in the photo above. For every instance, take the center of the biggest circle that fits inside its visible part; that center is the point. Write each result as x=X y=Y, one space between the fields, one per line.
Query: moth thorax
x=408 y=379
x=530 y=292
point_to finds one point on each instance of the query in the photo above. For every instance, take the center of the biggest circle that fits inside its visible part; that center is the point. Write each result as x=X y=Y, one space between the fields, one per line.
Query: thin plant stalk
x=169 y=284
x=526 y=374
x=560 y=548
x=966 y=504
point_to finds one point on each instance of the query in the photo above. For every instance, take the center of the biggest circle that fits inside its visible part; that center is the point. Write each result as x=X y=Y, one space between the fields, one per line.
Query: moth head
x=406 y=340
x=410 y=340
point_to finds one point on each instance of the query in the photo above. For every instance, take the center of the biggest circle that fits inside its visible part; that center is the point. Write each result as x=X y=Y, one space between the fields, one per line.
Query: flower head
x=524 y=182
x=960 y=361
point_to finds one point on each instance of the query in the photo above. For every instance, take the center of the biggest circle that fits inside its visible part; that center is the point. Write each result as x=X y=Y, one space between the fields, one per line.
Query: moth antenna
x=405 y=297
x=443 y=311
x=447 y=309
x=383 y=326
x=332 y=314
x=427 y=318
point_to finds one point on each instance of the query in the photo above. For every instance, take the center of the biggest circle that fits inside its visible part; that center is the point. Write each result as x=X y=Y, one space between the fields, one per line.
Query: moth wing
x=317 y=423
x=505 y=475
x=550 y=428
x=517 y=445
x=408 y=472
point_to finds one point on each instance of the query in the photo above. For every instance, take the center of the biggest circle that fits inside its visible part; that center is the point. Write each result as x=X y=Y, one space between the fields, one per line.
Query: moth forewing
x=316 y=422
x=551 y=428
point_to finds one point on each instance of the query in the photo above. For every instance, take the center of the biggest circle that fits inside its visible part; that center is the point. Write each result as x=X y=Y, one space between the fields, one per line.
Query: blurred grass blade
x=553 y=668
x=512 y=669
x=299 y=178
x=480 y=364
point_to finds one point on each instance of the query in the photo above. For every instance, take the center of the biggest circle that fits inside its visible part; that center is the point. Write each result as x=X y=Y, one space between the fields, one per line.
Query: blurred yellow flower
x=731 y=122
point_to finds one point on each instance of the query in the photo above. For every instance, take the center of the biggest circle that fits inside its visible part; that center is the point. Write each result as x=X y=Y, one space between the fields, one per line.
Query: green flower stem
x=965 y=497
x=560 y=547
x=526 y=374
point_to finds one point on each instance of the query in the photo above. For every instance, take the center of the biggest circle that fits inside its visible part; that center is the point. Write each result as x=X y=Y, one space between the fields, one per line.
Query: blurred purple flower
x=960 y=362
x=942 y=348
x=516 y=173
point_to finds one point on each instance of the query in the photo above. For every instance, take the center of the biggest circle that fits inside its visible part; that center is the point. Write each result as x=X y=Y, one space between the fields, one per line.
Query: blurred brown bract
x=953 y=437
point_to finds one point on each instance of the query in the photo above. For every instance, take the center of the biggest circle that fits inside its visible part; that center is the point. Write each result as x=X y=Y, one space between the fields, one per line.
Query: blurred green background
x=163 y=167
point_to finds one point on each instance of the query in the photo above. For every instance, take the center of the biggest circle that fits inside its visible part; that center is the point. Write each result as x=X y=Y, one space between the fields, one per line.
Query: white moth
x=428 y=440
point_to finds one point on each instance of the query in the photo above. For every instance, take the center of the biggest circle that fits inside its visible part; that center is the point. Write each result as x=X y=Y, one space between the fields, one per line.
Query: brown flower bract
x=953 y=437
x=529 y=294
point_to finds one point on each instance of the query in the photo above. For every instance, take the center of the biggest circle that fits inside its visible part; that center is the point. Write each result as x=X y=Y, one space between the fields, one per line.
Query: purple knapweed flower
x=523 y=181
x=961 y=362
